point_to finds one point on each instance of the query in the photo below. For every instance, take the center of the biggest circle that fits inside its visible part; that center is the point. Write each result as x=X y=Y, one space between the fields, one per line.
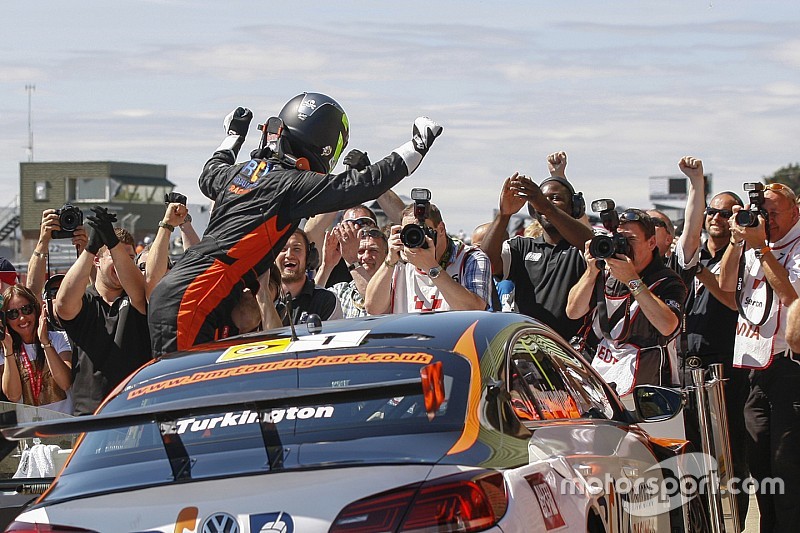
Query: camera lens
x=601 y=247
x=412 y=236
x=747 y=219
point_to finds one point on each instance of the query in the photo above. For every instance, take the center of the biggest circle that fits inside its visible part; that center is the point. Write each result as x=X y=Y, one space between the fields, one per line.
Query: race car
x=450 y=421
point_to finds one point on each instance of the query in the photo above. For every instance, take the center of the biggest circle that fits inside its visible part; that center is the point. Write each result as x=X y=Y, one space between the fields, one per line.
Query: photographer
x=637 y=308
x=258 y=205
x=49 y=229
x=436 y=272
x=762 y=265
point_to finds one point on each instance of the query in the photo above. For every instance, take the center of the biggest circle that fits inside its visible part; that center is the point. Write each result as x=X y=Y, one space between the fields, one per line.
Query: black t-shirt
x=670 y=290
x=310 y=300
x=710 y=324
x=543 y=275
x=108 y=343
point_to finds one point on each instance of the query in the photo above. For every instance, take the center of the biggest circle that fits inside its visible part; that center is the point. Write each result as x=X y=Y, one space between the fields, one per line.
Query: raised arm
x=689 y=240
x=510 y=204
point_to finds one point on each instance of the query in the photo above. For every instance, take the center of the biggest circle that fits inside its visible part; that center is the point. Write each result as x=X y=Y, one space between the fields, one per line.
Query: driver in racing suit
x=258 y=205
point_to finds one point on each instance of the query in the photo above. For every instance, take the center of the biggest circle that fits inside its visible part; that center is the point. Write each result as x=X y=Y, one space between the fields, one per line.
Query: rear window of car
x=248 y=441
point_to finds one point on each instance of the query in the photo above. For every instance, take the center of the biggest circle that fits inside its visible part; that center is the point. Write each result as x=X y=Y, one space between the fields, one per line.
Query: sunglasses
x=724 y=213
x=13 y=314
x=374 y=233
x=778 y=187
x=658 y=222
x=630 y=215
x=361 y=221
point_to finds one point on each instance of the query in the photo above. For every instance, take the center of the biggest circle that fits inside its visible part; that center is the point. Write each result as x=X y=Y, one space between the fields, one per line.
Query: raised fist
x=424 y=133
x=356 y=160
x=238 y=121
x=101 y=230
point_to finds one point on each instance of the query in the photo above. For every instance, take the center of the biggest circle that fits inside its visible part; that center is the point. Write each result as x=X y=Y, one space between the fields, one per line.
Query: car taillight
x=465 y=502
x=25 y=527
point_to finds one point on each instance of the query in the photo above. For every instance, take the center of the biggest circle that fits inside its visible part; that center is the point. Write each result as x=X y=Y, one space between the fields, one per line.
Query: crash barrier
x=708 y=397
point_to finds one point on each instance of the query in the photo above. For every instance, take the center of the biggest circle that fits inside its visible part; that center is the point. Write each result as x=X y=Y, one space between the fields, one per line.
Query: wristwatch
x=434 y=272
x=636 y=286
x=168 y=227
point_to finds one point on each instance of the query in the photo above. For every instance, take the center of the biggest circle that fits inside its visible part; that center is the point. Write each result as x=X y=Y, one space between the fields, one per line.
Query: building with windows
x=134 y=191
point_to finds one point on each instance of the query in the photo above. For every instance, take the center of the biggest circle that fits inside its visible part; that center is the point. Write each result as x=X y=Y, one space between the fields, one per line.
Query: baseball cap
x=8 y=274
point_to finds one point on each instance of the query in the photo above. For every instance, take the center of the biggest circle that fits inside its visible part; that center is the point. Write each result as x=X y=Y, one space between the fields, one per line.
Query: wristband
x=353 y=266
x=164 y=225
x=47 y=345
x=734 y=242
x=39 y=254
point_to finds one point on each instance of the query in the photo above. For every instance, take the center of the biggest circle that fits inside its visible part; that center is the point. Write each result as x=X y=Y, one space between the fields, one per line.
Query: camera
x=749 y=217
x=69 y=218
x=605 y=246
x=174 y=198
x=413 y=235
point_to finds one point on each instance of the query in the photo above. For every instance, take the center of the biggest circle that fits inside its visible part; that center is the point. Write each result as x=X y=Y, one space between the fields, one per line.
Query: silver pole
x=707 y=442
x=722 y=440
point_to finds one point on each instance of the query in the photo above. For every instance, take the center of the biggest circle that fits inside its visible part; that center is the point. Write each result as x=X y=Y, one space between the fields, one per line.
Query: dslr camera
x=605 y=246
x=749 y=217
x=69 y=218
x=413 y=235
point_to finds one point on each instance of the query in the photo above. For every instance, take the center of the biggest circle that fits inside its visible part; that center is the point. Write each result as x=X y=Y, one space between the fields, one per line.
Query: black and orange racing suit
x=257 y=207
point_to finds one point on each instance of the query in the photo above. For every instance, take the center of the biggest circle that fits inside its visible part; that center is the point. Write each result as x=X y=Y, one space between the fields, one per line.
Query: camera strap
x=602 y=309
x=740 y=286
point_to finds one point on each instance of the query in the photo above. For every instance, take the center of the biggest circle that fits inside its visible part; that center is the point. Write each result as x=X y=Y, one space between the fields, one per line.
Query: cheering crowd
x=643 y=304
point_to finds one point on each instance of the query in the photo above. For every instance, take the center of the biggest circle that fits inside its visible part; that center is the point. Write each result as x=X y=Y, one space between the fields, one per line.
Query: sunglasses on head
x=638 y=216
x=724 y=213
x=13 y=314
x=374 y=233
x=361 y=221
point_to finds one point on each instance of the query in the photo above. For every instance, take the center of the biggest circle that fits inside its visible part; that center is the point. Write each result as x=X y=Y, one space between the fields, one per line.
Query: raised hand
x=423 y=133
x=356 y=160
x=101 y=226
x=557 y=164
x=238 y=121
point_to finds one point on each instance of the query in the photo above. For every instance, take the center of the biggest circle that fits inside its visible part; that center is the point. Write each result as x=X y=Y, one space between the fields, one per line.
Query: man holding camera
x=544 y=268
x=425 y=269
x=637 y=308
x=259 y=204
x=762 y=265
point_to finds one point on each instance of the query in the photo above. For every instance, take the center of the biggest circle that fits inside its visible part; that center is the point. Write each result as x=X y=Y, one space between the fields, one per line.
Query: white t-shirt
x=60 y=343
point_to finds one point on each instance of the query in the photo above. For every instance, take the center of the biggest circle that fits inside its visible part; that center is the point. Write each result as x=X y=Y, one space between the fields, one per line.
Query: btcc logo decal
x=248 y=417
x=346 y=339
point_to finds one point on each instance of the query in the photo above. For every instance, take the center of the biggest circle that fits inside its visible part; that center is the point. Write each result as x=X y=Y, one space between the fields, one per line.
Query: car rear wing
x=207 y=405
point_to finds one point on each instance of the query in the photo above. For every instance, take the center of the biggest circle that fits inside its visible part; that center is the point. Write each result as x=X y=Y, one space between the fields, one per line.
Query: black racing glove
x=423 y=134
x=238 y=121
x=101 y=225
x=357 y=160
x=236 y=124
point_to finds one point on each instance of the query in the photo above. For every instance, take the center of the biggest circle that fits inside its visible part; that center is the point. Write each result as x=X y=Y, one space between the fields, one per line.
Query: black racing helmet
x=316 y=127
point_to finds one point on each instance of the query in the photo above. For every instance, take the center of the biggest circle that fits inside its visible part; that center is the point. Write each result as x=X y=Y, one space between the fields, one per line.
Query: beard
x=292 y=276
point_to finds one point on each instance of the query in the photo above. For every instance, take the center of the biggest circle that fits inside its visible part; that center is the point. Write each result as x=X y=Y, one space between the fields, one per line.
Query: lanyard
x=34 y=375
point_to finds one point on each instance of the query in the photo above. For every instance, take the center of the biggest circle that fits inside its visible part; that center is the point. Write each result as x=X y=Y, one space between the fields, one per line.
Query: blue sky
x=625 y=88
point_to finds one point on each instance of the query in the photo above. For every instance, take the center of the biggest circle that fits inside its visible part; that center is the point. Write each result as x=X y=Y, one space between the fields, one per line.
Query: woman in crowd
x=37 y=362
